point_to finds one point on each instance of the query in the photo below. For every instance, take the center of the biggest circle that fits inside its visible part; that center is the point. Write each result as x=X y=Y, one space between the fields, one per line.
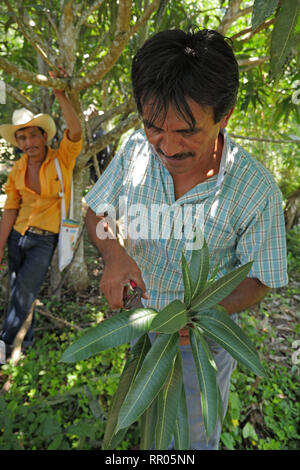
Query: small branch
x=96 y=166
x=17 y=344
x=21 y=99
x=145 y=16
x=51 y=21
x=59 y=320
x=249 y=31
x=252 y=61
x=274 y=141
x=93 y=55
x=125 y=108
x=36 y=41
x=233 y=12
x=111 y=136
x=122 y=36
x=88 y=12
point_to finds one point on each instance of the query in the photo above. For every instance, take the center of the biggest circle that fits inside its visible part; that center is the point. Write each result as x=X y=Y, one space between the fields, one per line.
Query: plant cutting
x=151 y=388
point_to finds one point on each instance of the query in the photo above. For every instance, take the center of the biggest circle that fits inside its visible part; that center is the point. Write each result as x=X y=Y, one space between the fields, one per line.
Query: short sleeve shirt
x=239 y=211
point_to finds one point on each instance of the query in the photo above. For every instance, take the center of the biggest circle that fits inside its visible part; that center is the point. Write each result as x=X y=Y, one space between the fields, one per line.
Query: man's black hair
x=173 y=66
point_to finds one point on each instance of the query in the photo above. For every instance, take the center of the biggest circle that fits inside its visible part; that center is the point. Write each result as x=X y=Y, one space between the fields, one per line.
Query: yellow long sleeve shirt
x=42 y=210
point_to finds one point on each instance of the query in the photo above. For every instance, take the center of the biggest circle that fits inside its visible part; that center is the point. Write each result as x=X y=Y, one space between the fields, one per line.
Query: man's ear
x=224 y=121
x=45 y=135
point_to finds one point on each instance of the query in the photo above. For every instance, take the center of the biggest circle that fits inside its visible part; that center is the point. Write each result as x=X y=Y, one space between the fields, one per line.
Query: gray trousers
x=225 y=365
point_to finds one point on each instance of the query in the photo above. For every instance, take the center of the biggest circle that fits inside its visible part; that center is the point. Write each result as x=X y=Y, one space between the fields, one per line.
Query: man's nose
x=170 y=145
x=28 y=140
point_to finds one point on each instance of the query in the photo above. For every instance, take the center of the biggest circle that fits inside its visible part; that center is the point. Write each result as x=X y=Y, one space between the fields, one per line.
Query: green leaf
x=207 y=377
x=262 y=9
x=220 y=288
x=171 y=318
x=132 y=366
x=187 y=281
x=213 y=275
x=218 y=326
x=119 y=329
x=181 y=430
x=167 y=406
x=228 y=440
x=286 y=34
x=150 y=379
x=148 y=422
x=249 y=432
x=160 y=11
x=199 y=265
x=199 y=268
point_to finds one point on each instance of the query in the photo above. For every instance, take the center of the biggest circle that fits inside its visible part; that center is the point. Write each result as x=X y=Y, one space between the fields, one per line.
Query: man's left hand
x=60 y=73
x=184 y=337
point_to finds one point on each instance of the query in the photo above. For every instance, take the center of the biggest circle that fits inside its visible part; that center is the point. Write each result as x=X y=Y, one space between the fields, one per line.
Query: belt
x=39 y=231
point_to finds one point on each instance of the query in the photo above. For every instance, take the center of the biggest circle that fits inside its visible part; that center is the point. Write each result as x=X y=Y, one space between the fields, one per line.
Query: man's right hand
x=119 y=267
x=119 y=270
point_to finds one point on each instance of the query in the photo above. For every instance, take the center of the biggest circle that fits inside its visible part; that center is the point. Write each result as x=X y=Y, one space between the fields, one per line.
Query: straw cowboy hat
x=24 y=118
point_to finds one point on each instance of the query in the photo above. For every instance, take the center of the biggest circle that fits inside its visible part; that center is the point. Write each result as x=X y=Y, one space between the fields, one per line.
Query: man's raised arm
x=71 y=118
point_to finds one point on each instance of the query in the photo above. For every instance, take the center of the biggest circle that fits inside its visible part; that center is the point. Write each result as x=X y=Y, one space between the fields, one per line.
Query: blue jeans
x=29 y=257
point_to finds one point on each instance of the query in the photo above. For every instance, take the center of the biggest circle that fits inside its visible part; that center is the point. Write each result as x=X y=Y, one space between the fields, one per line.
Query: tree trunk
x=79 y=278
x=292 y=210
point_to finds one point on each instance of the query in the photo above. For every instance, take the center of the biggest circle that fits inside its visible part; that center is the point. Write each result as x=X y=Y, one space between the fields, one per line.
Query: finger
x=184 y=340
x=184 y=337
x=113 y=294
x=184 y=331
x=140 y=283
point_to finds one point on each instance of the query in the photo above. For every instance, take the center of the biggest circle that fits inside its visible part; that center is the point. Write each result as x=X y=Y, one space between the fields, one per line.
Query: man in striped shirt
x=180 y=172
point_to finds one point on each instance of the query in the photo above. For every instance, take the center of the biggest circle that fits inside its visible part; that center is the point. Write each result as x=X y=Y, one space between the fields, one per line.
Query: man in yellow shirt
x=31 y=217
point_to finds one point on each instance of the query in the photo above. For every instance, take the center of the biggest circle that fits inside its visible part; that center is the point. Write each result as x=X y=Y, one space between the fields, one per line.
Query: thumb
x=138 y=281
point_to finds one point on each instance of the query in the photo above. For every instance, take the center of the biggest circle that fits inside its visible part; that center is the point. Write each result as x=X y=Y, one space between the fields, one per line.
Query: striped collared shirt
x=239 y=210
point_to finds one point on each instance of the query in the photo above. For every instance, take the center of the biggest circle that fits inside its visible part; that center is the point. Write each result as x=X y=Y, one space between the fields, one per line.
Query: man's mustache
x=176 y=156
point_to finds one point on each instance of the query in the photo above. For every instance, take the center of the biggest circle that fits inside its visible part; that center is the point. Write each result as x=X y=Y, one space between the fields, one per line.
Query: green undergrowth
x=51 y=405
x=263 y=414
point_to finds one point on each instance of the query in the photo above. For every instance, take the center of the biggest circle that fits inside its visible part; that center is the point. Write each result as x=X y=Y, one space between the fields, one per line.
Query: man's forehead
x=30 y=129
x=200 y=114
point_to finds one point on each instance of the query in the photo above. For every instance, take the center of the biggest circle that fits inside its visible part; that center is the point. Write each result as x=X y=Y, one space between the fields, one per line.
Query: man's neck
x=37 y=160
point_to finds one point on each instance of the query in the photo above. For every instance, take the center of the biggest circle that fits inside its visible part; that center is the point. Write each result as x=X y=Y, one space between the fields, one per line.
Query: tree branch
x=59 y=321
x=274 y=141
x=21 y=99
x=125 y=108
x=232 y=13
x=145 y=16
x=67 y=38
x=249 y=31
x=51 y=22
x=33 y=78
x=88 y=12
x=36 y=41
x=122 y=36
x=108 y=139
x=247 y=64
